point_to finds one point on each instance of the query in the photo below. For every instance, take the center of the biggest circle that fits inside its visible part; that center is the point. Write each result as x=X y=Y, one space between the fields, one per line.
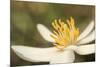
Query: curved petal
x=86 y=31
x=85 y=49
x=88 y=39
x=45 y=32
x=66 y=56
x=33 y=54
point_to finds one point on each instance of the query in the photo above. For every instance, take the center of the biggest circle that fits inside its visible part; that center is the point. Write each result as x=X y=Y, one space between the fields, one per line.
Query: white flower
x=66 y=41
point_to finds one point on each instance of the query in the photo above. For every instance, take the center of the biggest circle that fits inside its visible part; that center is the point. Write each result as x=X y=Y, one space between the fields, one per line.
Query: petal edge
x=85 y=49
x=45 y=33
x=86 y=31
x=88 y=39
x=34 y=54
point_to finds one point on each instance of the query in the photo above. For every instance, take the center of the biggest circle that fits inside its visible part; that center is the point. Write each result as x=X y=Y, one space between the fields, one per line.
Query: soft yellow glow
x=64 y=34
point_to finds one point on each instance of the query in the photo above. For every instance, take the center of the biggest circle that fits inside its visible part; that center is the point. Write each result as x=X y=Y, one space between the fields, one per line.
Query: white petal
x=86 y=31
x=34 y=54
x=85 y=49
x=45 y=32
x=66 y=56
x=88 y=39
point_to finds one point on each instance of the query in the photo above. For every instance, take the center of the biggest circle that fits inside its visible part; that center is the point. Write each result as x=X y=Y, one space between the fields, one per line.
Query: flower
x=66 y=41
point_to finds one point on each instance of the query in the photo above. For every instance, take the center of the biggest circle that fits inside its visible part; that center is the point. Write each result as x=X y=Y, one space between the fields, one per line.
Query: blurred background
x=26 y=15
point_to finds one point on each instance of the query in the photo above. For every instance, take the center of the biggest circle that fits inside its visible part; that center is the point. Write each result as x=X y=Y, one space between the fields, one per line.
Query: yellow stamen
x=64 y=34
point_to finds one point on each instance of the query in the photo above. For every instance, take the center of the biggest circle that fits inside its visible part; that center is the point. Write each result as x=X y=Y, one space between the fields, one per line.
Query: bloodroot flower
x=66 y=39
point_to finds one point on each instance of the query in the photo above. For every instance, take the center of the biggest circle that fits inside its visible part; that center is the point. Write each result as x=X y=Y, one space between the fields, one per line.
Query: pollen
x=64 y=34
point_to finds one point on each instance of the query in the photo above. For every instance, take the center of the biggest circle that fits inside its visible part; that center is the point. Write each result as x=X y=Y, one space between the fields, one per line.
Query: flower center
x=64 y=34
